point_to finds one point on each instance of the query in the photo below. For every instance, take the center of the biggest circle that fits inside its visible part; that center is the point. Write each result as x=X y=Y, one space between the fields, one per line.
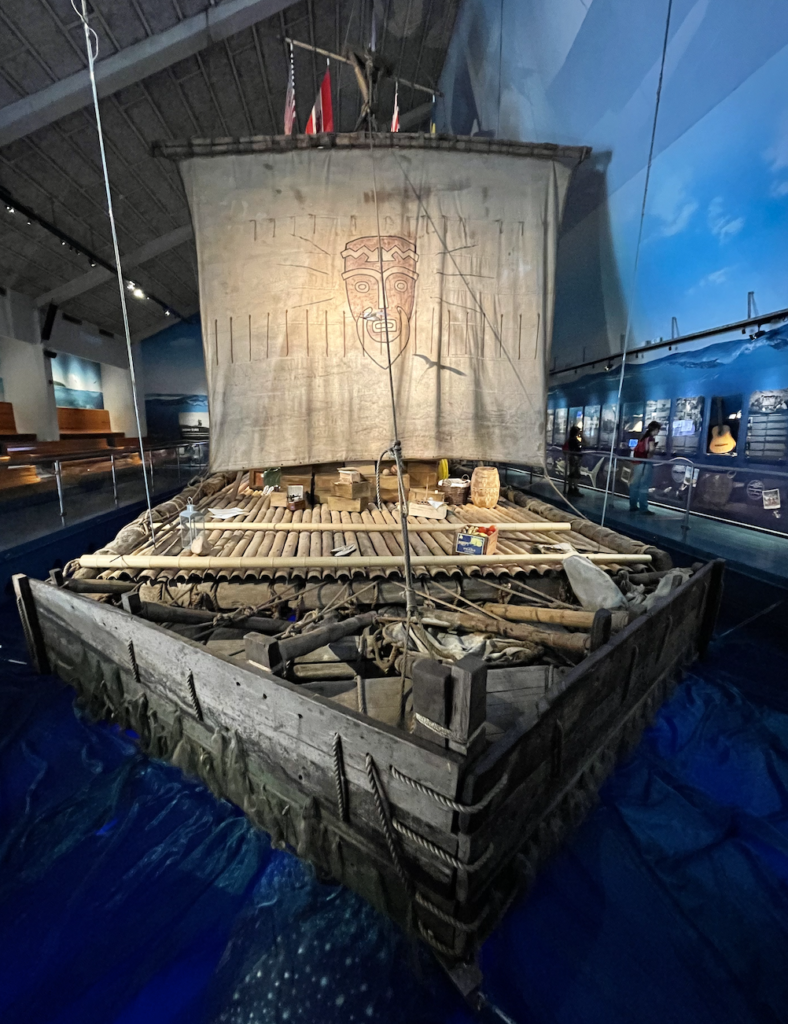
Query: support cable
x=396 y=449
x=619 y=410
x=92 y=54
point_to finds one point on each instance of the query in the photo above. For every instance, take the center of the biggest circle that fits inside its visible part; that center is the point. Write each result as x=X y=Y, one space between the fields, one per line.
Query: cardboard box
x=477 y=540
x=424 y=510
x=336 y=504
x=426 y=493
x=352 y=489
x=422 y=473
x=389 y=490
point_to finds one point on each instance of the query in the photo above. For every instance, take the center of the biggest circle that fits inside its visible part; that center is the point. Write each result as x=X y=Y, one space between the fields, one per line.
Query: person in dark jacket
x=574 y=454
x=643 y=471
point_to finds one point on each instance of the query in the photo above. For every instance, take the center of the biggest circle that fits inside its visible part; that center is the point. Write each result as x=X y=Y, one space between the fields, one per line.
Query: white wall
x=25 y=371
x=118 y=399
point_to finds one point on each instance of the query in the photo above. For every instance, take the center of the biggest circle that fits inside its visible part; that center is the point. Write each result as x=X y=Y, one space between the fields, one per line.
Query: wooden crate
x=352 y=489
x=422 y=474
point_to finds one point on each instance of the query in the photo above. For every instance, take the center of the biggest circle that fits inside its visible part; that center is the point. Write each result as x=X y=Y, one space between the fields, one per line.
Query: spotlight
x=166 y=312
x=130 y=285
x=92 y=263
x=138 y=293
x=10 y=209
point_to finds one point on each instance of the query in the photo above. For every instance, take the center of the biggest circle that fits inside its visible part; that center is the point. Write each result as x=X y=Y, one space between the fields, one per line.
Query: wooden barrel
x=485 y=486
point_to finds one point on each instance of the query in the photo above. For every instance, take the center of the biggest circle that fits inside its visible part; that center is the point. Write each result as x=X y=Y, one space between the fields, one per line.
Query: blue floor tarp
x=128 y=894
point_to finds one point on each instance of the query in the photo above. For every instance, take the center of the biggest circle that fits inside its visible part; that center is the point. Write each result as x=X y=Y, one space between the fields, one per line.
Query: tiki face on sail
x=381 y=300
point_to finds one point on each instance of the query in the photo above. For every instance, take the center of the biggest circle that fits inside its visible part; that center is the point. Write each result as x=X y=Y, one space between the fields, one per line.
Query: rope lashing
x=440 y=853
x=442 y=731
x=447 y=802
x=450 y=919
x=436 y=944
x=134 y=666
x=339 y=778
x=379 y=797
x=193 y=696
x=361 y=695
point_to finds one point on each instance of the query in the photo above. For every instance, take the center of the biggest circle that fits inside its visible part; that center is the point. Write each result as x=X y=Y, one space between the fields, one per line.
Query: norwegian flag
x=395 y=115
x=322 y=117
x=290 y=106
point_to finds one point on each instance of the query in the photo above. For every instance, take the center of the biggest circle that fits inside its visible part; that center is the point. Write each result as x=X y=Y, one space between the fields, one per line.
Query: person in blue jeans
x=643 y=472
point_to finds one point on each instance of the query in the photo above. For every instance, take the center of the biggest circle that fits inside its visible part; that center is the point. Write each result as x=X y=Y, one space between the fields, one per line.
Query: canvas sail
x=318 y=260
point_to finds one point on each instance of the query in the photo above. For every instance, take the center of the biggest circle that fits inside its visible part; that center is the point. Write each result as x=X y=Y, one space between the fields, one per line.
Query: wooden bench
x=8 y=424
x=84 y=423
x=22 y=452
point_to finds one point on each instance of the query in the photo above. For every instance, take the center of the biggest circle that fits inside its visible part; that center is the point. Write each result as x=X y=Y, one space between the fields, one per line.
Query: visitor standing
x=643 y=471
x=574 y=456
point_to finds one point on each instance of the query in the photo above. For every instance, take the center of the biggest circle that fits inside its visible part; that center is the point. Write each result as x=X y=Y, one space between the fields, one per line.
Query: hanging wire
x=619 y=410
x=91 y=41
x=396 y=448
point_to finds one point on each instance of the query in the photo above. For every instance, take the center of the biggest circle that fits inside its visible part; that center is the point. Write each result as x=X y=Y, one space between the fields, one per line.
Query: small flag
x=290 y=106
x=395 y=115
x=322 y=117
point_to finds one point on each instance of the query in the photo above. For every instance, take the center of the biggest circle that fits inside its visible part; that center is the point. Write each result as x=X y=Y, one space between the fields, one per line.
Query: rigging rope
x=619 y=410
x=396 y=448
x=89 y=44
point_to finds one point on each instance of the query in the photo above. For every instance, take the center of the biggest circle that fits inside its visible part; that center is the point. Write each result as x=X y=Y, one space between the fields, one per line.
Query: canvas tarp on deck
x=301 y=248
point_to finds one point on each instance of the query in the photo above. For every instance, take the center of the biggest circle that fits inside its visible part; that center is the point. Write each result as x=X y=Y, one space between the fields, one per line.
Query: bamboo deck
x=308 y=545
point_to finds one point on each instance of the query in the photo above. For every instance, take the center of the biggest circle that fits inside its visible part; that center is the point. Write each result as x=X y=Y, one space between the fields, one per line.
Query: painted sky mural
x=585 y=72
x=77 y=382
x=176 y=399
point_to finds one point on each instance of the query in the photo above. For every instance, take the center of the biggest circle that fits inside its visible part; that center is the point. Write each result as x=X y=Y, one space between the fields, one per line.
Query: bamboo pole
x=199 y=562
x=529 y=613
x=373 y=527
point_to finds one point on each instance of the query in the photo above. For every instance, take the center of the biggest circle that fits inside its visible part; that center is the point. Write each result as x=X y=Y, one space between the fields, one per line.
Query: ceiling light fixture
x=138 y=293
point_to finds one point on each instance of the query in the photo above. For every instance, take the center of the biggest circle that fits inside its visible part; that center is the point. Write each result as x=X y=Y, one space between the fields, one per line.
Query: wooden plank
x=28 y=613
x=235 y=692
x=591 y=705
x=295 y=763
x=516 y=756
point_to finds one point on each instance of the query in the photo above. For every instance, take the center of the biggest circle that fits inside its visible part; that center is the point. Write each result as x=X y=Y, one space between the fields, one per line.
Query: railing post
x=685 y=525
x=114 y=478
x=60 y=498
x=150 y=463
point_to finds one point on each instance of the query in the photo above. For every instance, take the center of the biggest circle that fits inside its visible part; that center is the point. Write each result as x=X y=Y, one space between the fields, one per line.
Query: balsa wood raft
x=437 y=803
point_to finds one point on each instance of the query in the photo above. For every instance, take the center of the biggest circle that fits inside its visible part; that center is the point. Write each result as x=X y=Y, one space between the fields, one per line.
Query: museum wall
x=717 y=210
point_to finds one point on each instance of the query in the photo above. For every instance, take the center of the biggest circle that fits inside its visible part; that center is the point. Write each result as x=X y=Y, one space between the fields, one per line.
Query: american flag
x=395 y=115
x=290 y=107
x=322 y=117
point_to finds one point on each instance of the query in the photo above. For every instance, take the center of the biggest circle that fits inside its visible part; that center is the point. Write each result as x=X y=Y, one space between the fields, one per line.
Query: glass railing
x=41 y=494
x=755 y=497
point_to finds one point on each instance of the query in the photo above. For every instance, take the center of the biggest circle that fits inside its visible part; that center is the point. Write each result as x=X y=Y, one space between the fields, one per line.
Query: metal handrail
x=662 y=460
x=114 y=457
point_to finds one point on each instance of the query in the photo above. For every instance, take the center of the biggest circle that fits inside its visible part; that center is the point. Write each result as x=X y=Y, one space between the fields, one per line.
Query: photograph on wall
x=631 y=423
x=559 y=433
x=659 y=410
x=193 y=425
x=724 y=421
x=687 y=423
x=77 y=382
x=607 y=424
x=767 y=428
x=591 y=426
